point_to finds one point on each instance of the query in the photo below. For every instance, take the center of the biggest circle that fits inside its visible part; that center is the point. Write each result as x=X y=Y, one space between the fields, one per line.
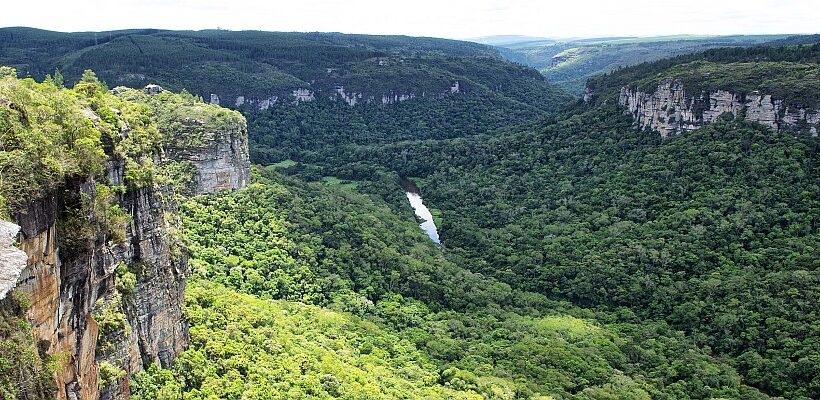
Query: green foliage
x=155 y=383
x=309 y=243
x=24 y=368
x=109 y=373
x=244 y=347
x=6 y=71
x=126 y=280
x=45 y=137
x=108 y=312
x=286 y=132
x=110 y=216
x=712 y=232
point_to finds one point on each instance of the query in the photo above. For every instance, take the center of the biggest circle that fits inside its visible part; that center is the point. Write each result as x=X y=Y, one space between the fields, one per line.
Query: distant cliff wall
x=670 y=109
x=338 y=93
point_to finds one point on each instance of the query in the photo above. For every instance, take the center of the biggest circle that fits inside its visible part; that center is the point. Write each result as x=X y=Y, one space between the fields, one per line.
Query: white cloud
x=442 y=18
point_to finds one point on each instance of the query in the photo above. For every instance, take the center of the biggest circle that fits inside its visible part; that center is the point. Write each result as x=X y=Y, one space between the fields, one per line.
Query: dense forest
x=714 y=232
x=393 y=299
x=270 y=65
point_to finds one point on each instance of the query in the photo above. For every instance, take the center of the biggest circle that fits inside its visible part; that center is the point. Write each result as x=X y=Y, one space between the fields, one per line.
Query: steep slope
x=87 y=181
x=256 y=69
x=775 y=87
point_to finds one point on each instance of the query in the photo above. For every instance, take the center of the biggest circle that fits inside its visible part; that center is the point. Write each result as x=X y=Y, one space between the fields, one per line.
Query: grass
x=342 y=183
x=283 y=164
x=436 y=216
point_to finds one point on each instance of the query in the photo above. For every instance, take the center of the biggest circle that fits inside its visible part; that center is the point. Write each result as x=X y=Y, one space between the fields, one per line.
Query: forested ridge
x=258 y=66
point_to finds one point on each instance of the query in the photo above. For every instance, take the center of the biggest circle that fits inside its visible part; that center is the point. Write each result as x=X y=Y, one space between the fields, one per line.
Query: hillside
x=712 y=231
x=405 y=306
x=570 y=62
x=256 y=69
x=773 y=86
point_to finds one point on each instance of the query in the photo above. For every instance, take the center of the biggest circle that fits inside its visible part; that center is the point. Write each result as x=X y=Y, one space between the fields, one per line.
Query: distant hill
x=509 y=40
x=570 y=62
x=254 y=68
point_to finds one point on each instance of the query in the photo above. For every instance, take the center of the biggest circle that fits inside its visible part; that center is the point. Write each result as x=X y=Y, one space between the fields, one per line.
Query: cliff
x=207 y=144
x=338 y=93
x=104 y=268
x=671 y=109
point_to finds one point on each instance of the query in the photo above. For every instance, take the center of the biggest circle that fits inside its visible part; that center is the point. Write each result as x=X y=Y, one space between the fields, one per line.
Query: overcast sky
x=458 y=19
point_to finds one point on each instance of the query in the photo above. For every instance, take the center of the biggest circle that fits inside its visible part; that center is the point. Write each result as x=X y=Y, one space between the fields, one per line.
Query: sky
x=458 y=19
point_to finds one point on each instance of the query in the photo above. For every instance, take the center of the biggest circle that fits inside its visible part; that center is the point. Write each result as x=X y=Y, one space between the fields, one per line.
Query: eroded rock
x=671 y=110
x=153 y=89
x=12 y=259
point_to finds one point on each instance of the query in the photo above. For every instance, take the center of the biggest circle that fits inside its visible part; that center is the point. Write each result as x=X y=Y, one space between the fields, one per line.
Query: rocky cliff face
x=107 y=306
x=12 y=259
x=211 y=140
x=220 y=159
x=338 y=93
x=671 y=110
x=73 y=288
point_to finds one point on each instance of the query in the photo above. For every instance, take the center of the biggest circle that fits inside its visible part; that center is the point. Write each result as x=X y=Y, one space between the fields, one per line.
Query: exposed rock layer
x=220 y=158
x=671 y=110
x=339 y=93
x=68 y=282
x=12 y=260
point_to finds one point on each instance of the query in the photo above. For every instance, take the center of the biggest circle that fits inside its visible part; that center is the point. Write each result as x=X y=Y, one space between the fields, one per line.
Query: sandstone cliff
x=106 y=304
x=338 y=93
x=209 y=142
x=670 y=109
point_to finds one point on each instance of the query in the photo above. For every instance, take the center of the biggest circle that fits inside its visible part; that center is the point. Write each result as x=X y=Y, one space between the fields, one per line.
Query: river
x=427 y=224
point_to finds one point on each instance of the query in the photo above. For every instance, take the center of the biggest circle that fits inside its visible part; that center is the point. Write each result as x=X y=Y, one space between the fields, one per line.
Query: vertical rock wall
x=671 y=110
x=69 y=282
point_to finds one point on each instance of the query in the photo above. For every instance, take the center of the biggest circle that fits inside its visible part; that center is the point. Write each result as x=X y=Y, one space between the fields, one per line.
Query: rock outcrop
x=350 y=98
x=152 y=89
x=338 y=93
x=669 y=109
x=12 y=259
x=220 y=157
x=210 y=139
x=303 y=95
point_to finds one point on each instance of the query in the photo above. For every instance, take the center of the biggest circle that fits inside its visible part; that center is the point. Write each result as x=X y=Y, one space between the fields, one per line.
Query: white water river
x=427 y=224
